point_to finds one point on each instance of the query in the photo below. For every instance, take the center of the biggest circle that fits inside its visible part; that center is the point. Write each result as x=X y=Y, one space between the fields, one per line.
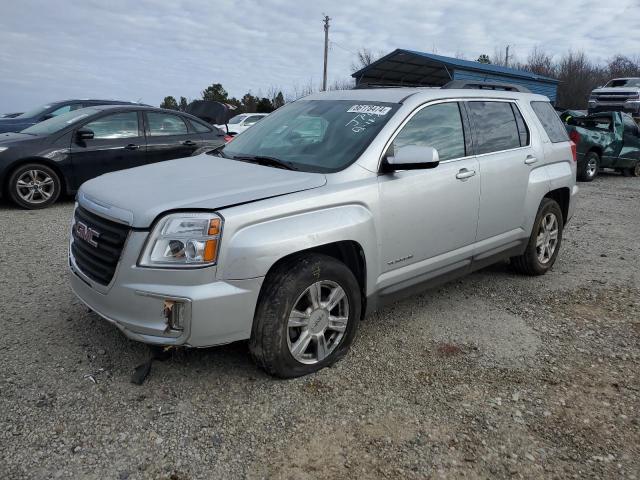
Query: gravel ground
x=495 y=375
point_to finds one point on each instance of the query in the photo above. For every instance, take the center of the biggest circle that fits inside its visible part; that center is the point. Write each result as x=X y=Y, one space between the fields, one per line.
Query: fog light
x=174 y=314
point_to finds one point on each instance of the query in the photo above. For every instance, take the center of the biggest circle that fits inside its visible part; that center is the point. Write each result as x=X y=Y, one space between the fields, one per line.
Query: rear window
x=495 y=126
x=550 y=121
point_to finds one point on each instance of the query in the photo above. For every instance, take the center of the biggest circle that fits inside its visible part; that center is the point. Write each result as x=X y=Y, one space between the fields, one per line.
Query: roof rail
x=362 y=86
x=509 y=87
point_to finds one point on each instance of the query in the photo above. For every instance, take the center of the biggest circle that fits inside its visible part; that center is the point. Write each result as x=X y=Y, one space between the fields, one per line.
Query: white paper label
x=369 y=109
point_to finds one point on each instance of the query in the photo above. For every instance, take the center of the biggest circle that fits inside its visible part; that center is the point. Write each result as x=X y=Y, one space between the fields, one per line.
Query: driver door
x=429 y=217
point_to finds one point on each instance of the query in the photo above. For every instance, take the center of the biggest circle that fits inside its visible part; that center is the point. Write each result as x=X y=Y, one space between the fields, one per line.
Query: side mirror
x=412 y=157
x=84 y=134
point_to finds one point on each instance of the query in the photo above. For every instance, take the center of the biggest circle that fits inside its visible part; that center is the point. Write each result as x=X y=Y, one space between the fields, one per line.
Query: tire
x=276 y=330
x=632 y=172
x=530 y=262
x=34 y=180
x=589 y=169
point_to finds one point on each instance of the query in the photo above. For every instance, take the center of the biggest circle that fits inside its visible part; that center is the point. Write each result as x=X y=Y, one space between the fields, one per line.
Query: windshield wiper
x=266 y=161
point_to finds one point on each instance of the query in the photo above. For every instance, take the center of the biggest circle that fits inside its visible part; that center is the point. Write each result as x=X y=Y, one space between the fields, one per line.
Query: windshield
x=58 y=123
x=35 y=112
x=624 y=82
x=237 y=119
x=314 y=135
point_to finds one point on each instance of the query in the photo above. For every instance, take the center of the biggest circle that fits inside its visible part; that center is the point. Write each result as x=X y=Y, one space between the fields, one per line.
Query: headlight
x=183 y=240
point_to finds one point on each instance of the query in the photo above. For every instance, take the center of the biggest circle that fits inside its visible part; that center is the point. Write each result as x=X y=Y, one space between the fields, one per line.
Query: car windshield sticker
x=359 y=123
x=370 y=109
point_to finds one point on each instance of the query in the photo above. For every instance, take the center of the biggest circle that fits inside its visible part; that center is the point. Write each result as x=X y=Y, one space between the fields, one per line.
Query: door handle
x=530 y=159
x=463 y=174
x=132 y=146
x=189 y=143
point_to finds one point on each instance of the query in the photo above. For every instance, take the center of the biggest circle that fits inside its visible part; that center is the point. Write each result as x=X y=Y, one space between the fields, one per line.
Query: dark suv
x=50 y=110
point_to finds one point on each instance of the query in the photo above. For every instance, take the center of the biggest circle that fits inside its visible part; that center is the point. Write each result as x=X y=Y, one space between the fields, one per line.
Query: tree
x=621 y=66
x=170 y=103
x=264 y=106
x=249 y=103
x=540 y=62
x=215 y=92
x=364 y=58
x=183 y=104
x=484 y=58
x=278 y=101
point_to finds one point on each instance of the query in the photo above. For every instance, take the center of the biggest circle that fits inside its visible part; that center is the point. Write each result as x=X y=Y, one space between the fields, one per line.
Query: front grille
x=615 y=96
x=99 y=260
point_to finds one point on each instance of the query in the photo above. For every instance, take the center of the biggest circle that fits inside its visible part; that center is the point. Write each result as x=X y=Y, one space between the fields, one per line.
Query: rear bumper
x=572 y=202
x=213 y=312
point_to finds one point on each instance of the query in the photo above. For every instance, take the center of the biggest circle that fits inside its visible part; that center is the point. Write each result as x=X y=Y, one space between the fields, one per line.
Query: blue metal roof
x=485 y=67
x=410 y=66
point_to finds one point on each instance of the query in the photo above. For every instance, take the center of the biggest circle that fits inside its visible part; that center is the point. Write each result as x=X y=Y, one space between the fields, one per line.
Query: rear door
x=118 y=143
x=169 y=137
x=429 y=217
x=630 y=142
x=503 y=148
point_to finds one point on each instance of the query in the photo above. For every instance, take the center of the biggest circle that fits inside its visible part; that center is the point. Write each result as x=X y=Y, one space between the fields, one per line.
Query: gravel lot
x=495 y=375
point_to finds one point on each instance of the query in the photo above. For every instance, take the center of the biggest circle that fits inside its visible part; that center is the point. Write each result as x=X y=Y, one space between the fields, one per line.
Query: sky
x=147 y=49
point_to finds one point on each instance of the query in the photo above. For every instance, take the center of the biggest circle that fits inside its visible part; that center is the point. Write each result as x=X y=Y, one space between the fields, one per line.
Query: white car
x=240 y=123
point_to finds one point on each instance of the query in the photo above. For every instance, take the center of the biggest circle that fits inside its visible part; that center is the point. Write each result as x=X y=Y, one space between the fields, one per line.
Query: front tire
x=589 y=169
x=544 y=242
x=33 y=186
x=632 y=172
x=307 y=316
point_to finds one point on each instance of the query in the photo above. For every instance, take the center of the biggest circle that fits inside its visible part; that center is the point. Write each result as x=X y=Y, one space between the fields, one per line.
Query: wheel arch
x=44 y=161
x=595 y=149
x=562 y=196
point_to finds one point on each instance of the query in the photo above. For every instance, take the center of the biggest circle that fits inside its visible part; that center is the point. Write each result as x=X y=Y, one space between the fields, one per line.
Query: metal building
x=410 y=68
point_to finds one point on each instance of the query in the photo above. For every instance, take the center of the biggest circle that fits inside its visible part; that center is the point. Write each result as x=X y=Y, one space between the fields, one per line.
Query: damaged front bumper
x=169 y=307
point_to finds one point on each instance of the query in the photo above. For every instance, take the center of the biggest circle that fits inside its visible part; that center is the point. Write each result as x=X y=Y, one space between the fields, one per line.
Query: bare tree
x=540 y=63
x=621 y=66
x=342 y=84
x=364 y=58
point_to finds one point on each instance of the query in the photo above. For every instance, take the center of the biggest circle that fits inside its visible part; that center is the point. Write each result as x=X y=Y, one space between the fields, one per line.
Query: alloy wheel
x=592 y=167
x=35 y=186
x=317 y=322
x=547 y=239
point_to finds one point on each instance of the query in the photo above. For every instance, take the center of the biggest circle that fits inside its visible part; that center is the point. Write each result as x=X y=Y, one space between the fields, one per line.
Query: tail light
x=574 y=151
x=228 y=138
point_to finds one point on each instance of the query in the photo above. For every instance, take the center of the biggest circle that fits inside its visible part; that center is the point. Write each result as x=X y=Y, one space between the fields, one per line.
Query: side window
x=438 y=126
x=164 y=124
x=550 y=121
x=117 y=125
x=523 y=130
x=199 y=127
x=495 y=126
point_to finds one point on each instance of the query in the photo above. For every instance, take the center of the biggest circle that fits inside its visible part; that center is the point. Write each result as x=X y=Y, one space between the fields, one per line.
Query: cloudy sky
x=146 y=49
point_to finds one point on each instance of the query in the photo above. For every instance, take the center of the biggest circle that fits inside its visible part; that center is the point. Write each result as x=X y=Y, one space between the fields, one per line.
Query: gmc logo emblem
x=87 y=234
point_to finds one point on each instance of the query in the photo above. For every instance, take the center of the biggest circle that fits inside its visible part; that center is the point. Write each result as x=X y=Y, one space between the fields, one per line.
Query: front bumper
x=632 y=108
x=214 y=312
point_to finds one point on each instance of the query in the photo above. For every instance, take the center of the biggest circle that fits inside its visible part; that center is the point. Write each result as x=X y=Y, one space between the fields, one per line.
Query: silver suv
x=319 y=214
x=618 y=95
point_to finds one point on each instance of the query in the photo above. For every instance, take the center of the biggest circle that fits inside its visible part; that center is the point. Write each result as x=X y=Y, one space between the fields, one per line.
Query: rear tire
x=33 y=186
x=544 y=242
x=589 y=169
x=296 y=330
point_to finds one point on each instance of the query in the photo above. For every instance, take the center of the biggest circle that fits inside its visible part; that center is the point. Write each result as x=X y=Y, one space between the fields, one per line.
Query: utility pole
x=506 y=57
x=326 y=51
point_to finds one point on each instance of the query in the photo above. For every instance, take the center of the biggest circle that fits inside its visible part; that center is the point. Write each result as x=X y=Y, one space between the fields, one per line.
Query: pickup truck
x=619 y=95
x=606 y=140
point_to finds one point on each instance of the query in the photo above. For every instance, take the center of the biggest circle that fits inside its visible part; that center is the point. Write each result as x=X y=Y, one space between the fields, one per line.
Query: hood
x=13 y=137
x=14 y=124
x=138 y=195
x=619 y=90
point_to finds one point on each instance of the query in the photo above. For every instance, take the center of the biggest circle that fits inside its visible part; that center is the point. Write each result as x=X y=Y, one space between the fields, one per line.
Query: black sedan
x=20 y=121
x=56 y=156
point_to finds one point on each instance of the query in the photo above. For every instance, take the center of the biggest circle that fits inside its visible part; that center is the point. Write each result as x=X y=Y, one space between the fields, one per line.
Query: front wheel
x=589 y=169
x=307 y=316
x=544 y=242
x=33 y=186
x=632 y=172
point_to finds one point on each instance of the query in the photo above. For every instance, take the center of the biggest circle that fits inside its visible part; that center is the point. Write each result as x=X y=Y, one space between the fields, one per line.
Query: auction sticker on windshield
x=370 y=109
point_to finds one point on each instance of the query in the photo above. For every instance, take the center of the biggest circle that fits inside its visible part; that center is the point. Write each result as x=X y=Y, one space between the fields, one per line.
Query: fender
x=253 y=250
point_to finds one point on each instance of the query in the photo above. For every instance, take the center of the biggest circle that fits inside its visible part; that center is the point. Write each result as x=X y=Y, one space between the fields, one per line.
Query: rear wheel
x=307 y=316
x=589 y=169
x=33 y=186
x=544 y=242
